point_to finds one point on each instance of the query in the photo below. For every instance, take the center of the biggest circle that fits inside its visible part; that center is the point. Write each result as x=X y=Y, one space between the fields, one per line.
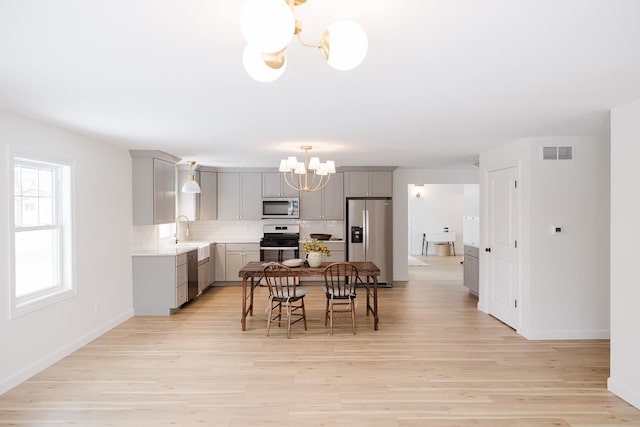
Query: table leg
x=244 y=303
x=453 y=245
x=375 y=303
x=368 y=285
x=253 y=286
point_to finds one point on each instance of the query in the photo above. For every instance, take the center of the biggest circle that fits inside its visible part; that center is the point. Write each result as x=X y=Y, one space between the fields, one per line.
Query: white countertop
x=180 y=248
x=169 y=250
x=165 y=251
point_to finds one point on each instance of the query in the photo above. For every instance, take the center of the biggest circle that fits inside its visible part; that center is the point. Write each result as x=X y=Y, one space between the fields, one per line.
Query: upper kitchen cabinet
x=208 y=195
x=274 y=185
x=327 y=203
x=154 y=187
x=368 y=184
x=239 y=195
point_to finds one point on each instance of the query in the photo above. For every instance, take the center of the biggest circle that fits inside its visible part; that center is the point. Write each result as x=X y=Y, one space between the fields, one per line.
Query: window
x=41 y=244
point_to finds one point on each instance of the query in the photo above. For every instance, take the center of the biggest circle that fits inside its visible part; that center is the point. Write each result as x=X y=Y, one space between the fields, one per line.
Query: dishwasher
x=192 y=275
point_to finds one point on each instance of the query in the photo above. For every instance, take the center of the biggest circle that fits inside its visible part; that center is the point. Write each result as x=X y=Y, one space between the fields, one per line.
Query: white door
x=502 y=252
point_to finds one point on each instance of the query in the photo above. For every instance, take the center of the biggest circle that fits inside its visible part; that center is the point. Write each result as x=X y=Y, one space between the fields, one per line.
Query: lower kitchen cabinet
x=159 y=284
x=212 y=264
x=220 y=260
x=337 y=249
x=203 y=275
x=471 y=269
x=237 y=255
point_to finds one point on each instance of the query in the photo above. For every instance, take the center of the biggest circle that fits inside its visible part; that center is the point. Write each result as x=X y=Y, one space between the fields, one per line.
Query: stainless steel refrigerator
x=370 y=234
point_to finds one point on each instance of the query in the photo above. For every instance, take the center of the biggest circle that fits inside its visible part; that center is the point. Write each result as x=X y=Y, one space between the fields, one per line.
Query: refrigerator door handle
x=366 y=234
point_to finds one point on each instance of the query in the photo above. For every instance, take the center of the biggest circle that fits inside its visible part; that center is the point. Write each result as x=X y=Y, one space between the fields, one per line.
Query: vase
x=314 y=259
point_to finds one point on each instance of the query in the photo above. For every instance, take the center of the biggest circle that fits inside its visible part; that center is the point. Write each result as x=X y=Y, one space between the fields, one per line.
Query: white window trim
x=67 y=288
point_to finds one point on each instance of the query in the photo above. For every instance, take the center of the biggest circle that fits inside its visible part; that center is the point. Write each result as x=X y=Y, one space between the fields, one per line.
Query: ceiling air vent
x=557 y=153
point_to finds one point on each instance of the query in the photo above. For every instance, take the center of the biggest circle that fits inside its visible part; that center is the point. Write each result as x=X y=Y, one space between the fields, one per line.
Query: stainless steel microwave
x=288 y=207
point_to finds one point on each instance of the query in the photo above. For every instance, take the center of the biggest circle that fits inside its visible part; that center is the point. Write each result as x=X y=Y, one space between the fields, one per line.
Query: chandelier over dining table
x=268 y=27
x=308 y=175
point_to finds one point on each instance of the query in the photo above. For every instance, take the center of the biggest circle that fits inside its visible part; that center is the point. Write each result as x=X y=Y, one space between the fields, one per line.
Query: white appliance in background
x=471 y=230
x=369 y=234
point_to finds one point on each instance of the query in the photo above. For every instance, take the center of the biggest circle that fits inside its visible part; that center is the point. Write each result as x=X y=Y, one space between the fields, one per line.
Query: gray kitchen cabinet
x=164 y=187
x=188 y=203
x=237 y=255
x=327 y=203
x=220 y=261
x=239 y=195
x=337 y=249
x=368 y=184
x=471 y=266
x=212 y=264
x=159 y=284
x=203 y=275
x=208 y=195
x=154 y=188
x=274 y=185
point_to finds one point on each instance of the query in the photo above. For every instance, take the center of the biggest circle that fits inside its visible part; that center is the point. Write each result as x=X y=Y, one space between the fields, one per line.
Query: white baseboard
x=29 y=371
x=559 y=334
x=624 y=392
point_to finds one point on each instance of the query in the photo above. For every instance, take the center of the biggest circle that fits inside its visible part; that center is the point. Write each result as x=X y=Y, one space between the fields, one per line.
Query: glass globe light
x=256 y=67
x=267 y=24
x=347 y=43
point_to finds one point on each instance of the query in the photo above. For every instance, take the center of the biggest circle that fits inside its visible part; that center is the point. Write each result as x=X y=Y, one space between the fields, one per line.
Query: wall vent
x=557 y=153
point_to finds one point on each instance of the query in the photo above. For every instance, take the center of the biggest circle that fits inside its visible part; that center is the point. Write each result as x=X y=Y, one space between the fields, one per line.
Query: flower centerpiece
x=315 y=249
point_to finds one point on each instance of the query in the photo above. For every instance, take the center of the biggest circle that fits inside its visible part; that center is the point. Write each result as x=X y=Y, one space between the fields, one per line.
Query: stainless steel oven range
x=279 y=242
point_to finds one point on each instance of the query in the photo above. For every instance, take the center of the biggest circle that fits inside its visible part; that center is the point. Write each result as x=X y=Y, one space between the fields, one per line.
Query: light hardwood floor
x=436 y=361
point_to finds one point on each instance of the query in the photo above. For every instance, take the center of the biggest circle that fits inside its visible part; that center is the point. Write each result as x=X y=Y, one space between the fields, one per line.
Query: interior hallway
x=436 y=361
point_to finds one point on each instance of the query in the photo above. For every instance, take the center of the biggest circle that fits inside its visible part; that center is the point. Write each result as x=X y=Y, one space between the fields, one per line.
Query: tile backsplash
x=153 y=236
x=333 y=227
x=225 y=231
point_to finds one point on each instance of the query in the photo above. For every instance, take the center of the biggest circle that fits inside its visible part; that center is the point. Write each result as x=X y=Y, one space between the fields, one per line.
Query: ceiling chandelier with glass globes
x=268 y=27
x=310 y=175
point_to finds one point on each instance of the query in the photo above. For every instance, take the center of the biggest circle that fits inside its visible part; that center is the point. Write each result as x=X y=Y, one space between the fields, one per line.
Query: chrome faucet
x=188 y=227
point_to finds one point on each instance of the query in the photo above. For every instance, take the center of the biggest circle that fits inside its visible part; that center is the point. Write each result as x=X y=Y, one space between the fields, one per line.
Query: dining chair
x=340 y=280
x=282 y=283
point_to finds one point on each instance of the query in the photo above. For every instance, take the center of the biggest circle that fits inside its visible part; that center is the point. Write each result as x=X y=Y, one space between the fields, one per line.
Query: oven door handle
x=283 y=248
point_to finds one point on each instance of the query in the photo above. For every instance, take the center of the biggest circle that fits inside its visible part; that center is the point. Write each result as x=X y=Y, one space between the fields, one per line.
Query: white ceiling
x=443 y=79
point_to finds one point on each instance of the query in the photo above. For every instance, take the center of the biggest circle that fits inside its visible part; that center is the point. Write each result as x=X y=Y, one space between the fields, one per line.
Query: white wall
x=625 y=235
x=401 y=179
x=102 y=218
x=570 y=271
x=564 y=278
x=440 y=205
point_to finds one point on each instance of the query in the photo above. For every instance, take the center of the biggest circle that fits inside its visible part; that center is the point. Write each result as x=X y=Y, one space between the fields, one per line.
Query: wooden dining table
x=253 y=272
